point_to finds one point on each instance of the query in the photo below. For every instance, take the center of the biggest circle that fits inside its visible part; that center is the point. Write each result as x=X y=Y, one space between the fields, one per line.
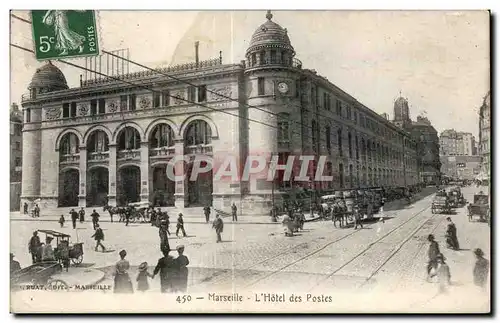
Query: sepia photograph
x=250 y=161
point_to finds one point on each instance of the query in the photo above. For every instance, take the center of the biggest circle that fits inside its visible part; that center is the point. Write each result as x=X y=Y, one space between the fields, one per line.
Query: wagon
x=75 y=251
x=440 y=204
x=480 y=207
x=140 y=211
x=39 y=277
x=456 y=198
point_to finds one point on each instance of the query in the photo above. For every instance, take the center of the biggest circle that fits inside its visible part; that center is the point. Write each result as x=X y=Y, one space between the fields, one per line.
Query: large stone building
x=426 y=137
x=16 y=154
x=485 y=134
x=109 y=142
x=461 y=167
x=455 y=143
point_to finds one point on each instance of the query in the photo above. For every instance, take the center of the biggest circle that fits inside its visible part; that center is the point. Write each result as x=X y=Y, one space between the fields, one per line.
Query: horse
x=112 y=210
x=338 y=214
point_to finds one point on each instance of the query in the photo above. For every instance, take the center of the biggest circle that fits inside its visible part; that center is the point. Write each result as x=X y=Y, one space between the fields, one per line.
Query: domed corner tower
x=271 y=77
x=47 y=78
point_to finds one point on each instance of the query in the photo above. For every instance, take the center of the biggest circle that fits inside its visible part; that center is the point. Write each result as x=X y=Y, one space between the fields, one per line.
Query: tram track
x=329 y=244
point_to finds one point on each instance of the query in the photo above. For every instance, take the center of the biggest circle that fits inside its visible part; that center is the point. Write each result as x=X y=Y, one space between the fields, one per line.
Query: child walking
x=62 y=220
x=142 y=277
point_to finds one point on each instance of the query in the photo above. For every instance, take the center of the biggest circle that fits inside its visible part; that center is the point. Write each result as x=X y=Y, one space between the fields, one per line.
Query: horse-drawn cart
x=140 y=211
x=480 y=207
x=38 y=277
x=440 y=204
x=64 y=250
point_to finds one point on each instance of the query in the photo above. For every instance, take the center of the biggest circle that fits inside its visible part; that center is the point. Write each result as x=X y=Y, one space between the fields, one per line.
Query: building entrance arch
x=97 y=192
x=129 y=185
x=69 y=182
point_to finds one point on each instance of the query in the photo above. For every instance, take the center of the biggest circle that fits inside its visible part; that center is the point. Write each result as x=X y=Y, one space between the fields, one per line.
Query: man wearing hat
x=451 y=235
x=234 y=212
x=95 y=218
x=14 y=265
x=180 y=226
x=74 y=217
x=165 y=266
x=433 y=254
x=47 y=251
x=34 y=247
x=181 y=271
x=357 y=217
x=218 y=225
x=98 y=236
x=481 y=269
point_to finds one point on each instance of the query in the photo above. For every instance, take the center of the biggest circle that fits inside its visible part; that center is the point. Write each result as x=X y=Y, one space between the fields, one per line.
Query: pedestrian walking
x=74 y=217
x=95 y=218
x=14 y=265
x=81 y=214
x=122 y=282
x=218 y=225
x=165 y=266
x=63 y=253
x=163 y=232
x=48 y=251
x=381 y=211
x=357 y=217
x=142 y=277
x=34 y=248
x=234 y=211
x=180 y=226
x=181 y=270
x=433 y=254
x=481 y=269
x=61 y=220
x=451 y=235
x=37 y=211
x=25 y=208
x=206 y=210
x=443 y=273
x=98 y=237
x=288 y=224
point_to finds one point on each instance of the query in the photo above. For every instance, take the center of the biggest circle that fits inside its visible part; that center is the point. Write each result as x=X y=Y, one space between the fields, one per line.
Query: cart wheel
x=57 y=285
x=78 y=260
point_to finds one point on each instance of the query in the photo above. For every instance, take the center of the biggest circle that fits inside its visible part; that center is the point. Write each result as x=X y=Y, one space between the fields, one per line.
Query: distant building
x=16 y=154
x=461 y=167
x=454 y=143
x=426 y=137
x=484 y=134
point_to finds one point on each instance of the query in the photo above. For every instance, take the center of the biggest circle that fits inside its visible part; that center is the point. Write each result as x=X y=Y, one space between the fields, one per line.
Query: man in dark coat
x=218 y=225
x=433 y=255
x=206 y=210
x=95 y=218
x=234 y=212
x=180 y=226
x=165 y=266
x=74 y=217
x=451 y=235
x=357 y=218
x=34 y=247
x=14 y=265
x=481 y=269
x=163 y=232
x=81 y=213
x=98 y=237
x=25 y=208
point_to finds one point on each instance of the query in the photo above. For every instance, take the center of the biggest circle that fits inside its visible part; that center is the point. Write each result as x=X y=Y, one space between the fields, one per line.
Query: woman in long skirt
x=123 y=284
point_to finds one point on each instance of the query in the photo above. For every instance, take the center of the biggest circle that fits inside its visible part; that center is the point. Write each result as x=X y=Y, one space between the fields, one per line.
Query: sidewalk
x=77 y=276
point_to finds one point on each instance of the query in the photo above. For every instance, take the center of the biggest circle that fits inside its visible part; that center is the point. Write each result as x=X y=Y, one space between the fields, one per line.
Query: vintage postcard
x=250 y=161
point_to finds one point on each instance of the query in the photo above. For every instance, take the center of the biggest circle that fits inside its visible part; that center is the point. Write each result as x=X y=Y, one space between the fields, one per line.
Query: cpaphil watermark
x=301 y=168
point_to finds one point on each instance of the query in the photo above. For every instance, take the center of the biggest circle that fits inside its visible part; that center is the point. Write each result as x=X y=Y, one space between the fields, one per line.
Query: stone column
x=82 y=194
x=180 y=190
x=144 y=171
x=112 y=175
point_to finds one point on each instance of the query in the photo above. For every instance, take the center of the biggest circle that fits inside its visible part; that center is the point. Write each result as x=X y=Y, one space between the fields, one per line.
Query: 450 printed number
x=183 y=299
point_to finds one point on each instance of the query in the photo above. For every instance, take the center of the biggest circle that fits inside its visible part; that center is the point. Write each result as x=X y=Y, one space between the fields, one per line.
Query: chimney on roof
x=197 y=52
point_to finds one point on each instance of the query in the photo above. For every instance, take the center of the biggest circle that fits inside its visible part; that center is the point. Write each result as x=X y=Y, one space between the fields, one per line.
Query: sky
x=438 y=60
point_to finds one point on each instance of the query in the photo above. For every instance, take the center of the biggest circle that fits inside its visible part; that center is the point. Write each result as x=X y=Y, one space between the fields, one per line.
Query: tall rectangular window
x=65 y=110
x=102 y=106
x=260 y=86
x=328 y=139
x=338 y=108
x=314 y=131
x=191 y=94
x=349 y=138
x=123 y=103
x=325 y=101
x=297 y=88
x=341 y=175
x=355 y=117
x=18 y=161
x=273 y=57
x=165 y=98
x=28 y=115
x=339 y=141
x=202 y=93
x=18 y=145
x=253 y=60
x=132 y=102
x=357 y=147
x=156 y=100
x=93 y=107
x=72 y=113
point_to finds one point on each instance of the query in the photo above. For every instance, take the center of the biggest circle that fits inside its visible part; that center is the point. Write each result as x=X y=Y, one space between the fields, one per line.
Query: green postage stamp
x=64 y=33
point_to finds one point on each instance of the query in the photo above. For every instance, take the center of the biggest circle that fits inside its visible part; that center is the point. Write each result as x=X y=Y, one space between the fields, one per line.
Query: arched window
x=328 y=139
x=356 y=142
x=262 y=58
x=283 y=127
x=253 y=60
x=98 y=142
x=198 y=133
x=69 y=144
x=129 y=139
x=349 y=139
x=162 y=136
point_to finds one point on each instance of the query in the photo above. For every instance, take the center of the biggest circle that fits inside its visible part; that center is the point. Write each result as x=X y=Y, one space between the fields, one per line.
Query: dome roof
x=270 y=34
x=48 y=76
x=400 y=101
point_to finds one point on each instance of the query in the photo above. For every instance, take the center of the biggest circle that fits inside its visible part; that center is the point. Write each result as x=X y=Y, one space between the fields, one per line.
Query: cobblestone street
x=385 y=257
